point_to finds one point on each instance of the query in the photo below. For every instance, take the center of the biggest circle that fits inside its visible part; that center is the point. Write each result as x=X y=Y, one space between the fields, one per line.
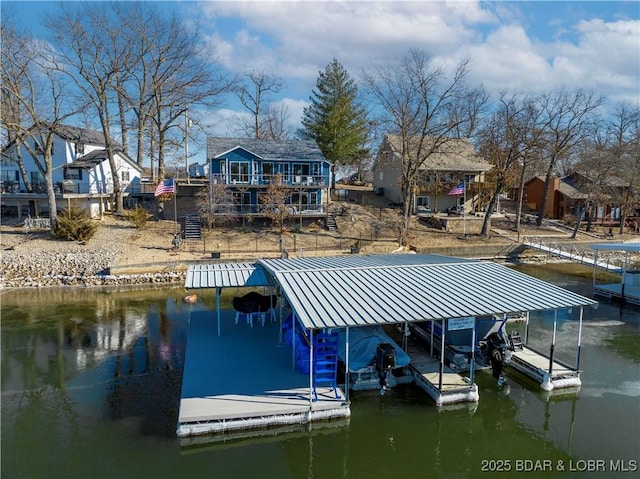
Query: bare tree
x=35 y=94
x=623 y=134
x=418 y=98
x=275 y=202
x=216 y=204
x=89 y=49
x=565 y=118
x=501 y=144
x=254 y=94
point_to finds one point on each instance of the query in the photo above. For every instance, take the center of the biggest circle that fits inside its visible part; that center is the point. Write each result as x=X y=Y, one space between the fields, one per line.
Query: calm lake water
x=91 y=384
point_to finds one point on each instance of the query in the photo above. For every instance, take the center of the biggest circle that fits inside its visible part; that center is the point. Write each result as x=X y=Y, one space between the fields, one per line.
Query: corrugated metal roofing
x=370 y=290
x=226 y=275
x=354 y=290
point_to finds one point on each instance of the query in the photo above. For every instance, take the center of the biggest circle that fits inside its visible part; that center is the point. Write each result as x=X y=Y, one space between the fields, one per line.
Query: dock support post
x=310 y=370
x=218 y=291
x=526 y=329
x=433 y=325
x=553 y=341
x=579 y=340
x=346 y=367
x=473 y=352
x=293 y=339
x=442 y=335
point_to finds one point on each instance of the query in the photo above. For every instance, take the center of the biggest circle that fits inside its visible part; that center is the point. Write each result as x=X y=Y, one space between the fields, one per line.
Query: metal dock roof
x=226 y=275
x=355 y=290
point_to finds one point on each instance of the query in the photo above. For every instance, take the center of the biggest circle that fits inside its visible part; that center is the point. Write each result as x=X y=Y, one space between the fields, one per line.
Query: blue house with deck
x=242 y=170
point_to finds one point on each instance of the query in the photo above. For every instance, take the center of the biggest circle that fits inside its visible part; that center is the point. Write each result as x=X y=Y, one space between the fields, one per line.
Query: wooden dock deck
x=535 y=365
x=245 y=380
x=426 y=373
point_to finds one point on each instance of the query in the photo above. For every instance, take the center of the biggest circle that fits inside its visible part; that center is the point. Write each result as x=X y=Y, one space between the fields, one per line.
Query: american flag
x=458 y=190
x=166 y=187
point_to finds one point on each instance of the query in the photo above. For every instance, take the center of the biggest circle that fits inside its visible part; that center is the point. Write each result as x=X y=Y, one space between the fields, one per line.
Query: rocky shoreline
x=74 y=267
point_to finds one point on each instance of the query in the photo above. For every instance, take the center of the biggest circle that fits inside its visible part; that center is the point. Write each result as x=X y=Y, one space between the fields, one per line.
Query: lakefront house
x=450 y=180
x=82 y=174
x=242 y=171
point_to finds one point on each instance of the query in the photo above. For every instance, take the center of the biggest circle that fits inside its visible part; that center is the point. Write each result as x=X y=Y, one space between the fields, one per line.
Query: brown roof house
x=456 y=162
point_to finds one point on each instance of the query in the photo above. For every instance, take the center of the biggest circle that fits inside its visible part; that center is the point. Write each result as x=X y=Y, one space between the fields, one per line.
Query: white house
x=82 y=175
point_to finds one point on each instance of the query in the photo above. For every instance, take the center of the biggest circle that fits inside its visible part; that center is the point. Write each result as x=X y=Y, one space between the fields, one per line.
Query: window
x=239 y=172
x=8 y=175
x=267 y=172
x=125 y=176
x=302 y=169
x=422 y=201
x=73 y=174
x=79 y=148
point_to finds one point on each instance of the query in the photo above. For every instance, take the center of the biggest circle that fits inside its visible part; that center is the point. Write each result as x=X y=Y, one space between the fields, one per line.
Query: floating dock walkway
x=243 y=380
x=535 y=365
x=571 y=254
x=441 y=383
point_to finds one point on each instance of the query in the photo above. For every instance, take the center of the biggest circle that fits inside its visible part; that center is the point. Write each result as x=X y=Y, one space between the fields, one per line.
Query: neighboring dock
x=244 y=380
x=628 y=288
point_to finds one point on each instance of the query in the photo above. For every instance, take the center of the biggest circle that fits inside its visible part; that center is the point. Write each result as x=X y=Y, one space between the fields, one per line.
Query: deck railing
x=265 y=209
x=266 y=180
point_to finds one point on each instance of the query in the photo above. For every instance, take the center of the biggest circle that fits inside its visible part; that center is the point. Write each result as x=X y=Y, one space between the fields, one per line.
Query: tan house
x=456 y=162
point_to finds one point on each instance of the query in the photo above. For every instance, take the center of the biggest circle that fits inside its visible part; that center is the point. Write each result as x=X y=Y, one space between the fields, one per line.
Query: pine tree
x=335 y=119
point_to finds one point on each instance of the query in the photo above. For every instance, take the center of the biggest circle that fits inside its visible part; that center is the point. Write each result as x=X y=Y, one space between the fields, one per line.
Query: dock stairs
x=191 y=227
x=331 y=223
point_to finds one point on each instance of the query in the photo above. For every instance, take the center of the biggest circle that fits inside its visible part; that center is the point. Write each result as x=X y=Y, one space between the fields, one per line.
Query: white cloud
x=511 y=45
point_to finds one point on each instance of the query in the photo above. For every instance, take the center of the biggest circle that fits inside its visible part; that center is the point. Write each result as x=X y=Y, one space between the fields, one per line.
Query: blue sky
x=528 y=46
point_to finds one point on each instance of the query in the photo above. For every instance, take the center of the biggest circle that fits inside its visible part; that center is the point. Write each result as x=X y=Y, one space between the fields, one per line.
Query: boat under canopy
x=341 y=293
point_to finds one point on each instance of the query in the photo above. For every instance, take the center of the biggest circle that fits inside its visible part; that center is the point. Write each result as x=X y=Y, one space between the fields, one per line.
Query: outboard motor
x=499 y=353
x=385 y=362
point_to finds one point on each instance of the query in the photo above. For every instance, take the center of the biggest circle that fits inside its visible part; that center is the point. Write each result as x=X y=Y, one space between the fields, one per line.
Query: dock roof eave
x=226 y=275
x=351 y=291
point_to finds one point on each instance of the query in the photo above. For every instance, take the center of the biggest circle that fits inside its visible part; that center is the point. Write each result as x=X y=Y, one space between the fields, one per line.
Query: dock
x=444 y=388
x=535 y=365
x=245 y=380
x=570 y=253
x=628 y=288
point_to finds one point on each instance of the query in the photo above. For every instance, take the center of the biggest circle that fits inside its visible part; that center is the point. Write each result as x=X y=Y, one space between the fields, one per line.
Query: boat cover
x=363 y=345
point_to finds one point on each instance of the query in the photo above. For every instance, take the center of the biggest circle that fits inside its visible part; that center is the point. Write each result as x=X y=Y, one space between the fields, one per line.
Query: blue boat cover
x=363 y=344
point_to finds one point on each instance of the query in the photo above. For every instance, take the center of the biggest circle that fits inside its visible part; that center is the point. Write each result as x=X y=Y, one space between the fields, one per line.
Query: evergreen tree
x=335 y=119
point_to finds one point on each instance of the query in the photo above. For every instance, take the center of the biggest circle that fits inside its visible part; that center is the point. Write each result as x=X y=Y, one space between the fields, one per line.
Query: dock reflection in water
x=91 y=385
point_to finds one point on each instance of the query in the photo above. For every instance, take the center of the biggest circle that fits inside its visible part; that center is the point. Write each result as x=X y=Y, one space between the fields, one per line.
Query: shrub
x=74 y=224
x=138 y=217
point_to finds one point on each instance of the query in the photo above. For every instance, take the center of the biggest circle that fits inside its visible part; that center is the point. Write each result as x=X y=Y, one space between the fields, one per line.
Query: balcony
x=293 y=181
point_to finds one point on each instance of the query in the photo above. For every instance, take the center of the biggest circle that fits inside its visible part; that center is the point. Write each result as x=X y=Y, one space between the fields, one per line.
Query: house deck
x=244 y=380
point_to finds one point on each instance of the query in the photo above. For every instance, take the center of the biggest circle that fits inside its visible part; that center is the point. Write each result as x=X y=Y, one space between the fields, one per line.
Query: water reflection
x=91 y=384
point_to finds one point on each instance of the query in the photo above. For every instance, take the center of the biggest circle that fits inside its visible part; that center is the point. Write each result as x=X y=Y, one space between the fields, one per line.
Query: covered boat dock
x=340 y=293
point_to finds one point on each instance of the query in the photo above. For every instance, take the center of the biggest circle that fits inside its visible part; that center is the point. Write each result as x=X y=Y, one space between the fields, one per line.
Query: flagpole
x=175 y=203
x=464 y=208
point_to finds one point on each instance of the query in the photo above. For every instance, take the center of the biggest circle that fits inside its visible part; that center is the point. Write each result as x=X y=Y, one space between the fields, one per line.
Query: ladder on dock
x=571 y=253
